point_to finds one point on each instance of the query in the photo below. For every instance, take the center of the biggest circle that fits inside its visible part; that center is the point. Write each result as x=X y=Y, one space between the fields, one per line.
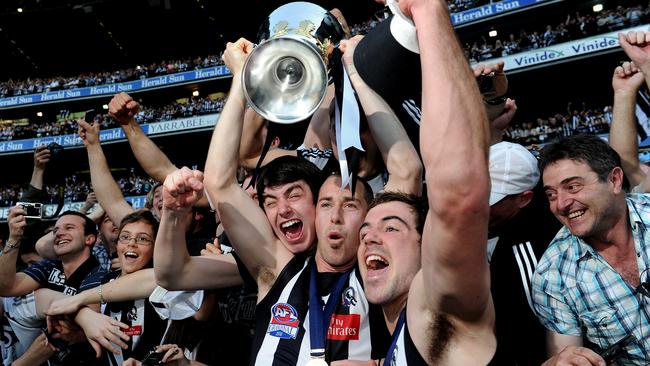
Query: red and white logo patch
x=344 y=327
x=135 y=330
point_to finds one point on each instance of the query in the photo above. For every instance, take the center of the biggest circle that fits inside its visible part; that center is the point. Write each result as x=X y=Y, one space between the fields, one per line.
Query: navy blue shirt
x=49 y=274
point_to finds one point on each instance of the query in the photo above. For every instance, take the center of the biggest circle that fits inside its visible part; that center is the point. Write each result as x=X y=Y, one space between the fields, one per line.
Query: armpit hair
x=441 y=331
x=266 y=275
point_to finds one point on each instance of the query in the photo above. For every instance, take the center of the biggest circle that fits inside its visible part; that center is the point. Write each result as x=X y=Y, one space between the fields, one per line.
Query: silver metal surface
x=285 y=76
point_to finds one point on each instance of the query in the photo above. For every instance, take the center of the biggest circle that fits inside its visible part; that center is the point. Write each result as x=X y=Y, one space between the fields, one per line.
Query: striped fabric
x=576 y=292
x=286 y=342
x=412 y=109
x=526 y=261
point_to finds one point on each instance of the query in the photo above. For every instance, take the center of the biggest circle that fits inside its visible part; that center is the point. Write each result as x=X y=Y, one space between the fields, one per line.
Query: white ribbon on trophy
x=347 y=128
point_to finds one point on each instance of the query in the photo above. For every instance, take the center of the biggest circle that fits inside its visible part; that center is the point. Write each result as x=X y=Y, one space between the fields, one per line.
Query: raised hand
x=627 y=78
x=182 y=189
x=41 y=157
x=88 y=133
x=123 y=108
x=500 y=79
x=348 y=46
x=235 y=54
x=17 y=223
x=637 y=47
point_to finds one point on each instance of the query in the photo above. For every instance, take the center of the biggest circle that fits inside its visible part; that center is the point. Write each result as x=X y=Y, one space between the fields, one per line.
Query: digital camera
x=33 y=210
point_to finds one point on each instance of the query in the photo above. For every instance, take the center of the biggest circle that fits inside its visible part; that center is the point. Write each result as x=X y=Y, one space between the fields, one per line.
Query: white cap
x=513 y=170
x=175 y=305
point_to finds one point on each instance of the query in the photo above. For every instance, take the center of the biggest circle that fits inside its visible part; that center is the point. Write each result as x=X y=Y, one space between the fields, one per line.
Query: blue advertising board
x=110 y=89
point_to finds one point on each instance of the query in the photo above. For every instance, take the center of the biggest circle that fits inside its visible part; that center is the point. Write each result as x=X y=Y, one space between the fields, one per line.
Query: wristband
x=101 y=297
x=9 y=247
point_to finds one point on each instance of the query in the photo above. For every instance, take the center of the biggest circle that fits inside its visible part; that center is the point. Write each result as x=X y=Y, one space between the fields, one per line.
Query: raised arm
x=174 y=268
x=401 y=159
x=245 y=223
x=123 y=110
x=12 y=283
x=623 y=136
x=106 y=189
x=34 y=192
x=41 y=158
x=454 y=140
x=499 y=112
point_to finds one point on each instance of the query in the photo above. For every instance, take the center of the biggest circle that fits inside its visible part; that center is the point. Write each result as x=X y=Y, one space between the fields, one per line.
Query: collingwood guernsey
x=282 y=334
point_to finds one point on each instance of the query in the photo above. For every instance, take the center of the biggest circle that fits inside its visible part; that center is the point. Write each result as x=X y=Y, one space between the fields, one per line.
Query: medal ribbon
x=398 y=330
x=319 y=318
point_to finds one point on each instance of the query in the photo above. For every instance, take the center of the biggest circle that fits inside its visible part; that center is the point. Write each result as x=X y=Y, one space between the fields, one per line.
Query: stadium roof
x=68 y=37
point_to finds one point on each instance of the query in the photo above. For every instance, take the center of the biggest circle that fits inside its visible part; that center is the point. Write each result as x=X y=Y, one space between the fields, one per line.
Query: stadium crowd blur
x=567 y=28
x=210 y=316
x=76 y=189
x=194 y=106
x=543 y=130
x=40 y=85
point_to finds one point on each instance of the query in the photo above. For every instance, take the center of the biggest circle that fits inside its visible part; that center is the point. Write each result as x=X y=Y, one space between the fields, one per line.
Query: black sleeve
x=97 y=277
x=40 y=271
x=33 y=194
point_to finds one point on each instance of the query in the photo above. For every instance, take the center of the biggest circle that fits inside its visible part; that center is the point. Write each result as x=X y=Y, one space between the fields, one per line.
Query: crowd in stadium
x=567 y=28
x=548 y=129
x=337 y=252
x=77 y=189
x=40 y=85
x=194 y=106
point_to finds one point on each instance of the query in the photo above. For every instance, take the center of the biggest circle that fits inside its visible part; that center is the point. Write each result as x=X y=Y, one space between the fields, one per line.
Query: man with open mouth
x=427 y=268
x=310 y=308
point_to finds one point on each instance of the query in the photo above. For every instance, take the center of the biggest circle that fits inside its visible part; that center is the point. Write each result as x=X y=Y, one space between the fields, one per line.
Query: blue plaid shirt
x=576 y=292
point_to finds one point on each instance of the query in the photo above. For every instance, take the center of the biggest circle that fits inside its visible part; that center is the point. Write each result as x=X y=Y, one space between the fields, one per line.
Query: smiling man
x=589 y=284
x=74 y=235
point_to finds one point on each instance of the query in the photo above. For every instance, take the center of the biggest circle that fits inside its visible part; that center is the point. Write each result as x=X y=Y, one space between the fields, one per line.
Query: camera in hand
x=33 y=210
x=486 y=84
x=89 y=116
x=152 y=358
x=56 y=153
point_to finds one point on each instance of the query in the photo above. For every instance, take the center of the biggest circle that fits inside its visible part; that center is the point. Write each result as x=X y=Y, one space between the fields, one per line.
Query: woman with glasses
x=124 y=289
x=132 y=325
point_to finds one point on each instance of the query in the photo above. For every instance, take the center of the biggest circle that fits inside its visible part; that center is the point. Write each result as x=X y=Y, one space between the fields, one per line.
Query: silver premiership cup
x=286 y=75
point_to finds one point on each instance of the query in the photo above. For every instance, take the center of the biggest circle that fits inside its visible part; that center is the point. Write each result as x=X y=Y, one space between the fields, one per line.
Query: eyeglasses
x=140 y=240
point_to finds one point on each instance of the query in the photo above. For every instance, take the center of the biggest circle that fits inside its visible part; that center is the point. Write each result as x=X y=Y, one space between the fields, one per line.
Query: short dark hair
x=140 y=215
x=418 y=204
x=89 y=225
x=368 y=194
x=588 y=149
x=288 y=169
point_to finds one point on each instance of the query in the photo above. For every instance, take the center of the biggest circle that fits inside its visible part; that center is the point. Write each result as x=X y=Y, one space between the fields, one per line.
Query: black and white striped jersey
x=146 y=328
x=282 y=325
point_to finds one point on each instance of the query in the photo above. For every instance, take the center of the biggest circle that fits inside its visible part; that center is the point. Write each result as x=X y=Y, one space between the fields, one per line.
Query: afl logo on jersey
x=284 y=321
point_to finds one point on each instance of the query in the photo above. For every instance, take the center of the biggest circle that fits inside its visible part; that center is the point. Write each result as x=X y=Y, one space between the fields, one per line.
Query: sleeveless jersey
x=282 y=325
x=406 y=354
